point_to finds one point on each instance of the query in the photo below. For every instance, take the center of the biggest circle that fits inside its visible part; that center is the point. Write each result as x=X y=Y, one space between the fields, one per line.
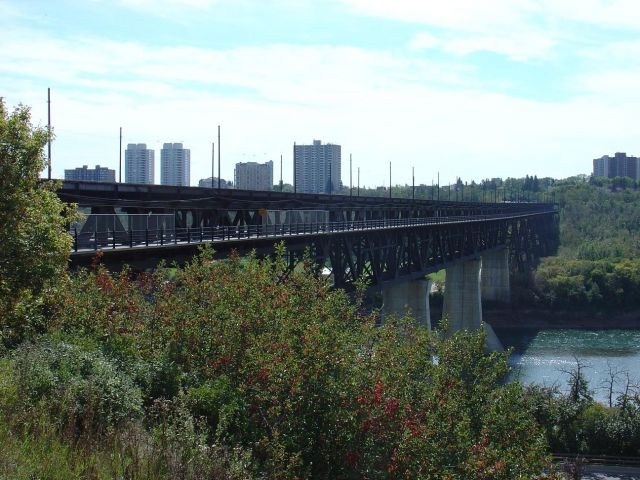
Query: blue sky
x=468 y=88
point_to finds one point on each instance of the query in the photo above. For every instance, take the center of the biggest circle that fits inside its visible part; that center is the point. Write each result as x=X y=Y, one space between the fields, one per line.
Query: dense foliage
x=598 y=266
x=574 y=423
x=611 y=284
x=34 y=248
x=278 y=364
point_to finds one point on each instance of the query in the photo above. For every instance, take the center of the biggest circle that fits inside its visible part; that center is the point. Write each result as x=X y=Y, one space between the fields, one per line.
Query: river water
x=544 y=356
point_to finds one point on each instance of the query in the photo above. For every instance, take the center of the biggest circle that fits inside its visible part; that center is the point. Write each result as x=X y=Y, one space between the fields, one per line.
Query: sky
x=468 y=88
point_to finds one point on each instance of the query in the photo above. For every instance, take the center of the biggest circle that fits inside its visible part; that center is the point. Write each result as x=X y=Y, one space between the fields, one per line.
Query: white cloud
x=467 y=15
x=489 y=15
x=380 y=105
x=519 y=29
x=523 y=47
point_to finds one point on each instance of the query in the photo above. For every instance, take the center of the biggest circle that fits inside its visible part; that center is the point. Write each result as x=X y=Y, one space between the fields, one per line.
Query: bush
x=577 y=424
x=81 y=388
x=280 y=362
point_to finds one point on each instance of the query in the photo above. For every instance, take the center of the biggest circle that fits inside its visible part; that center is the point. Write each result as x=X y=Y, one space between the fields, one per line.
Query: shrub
x=80 y=387
x=281 y=363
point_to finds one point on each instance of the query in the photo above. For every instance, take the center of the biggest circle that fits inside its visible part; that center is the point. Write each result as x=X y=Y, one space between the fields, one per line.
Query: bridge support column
x=410 y=297
x=462 y=301
x=495 y=276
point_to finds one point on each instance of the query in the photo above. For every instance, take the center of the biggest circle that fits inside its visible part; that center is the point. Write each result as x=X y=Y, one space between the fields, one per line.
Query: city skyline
x=471 y=89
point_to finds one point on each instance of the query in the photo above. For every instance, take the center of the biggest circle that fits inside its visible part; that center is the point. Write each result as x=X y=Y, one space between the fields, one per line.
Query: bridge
x=391 y=243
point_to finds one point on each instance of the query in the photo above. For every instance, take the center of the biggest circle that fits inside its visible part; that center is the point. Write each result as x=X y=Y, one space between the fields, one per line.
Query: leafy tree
x=34 y=247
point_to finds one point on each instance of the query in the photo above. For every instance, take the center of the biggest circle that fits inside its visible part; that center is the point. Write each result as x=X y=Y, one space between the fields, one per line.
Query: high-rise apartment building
x=601 y=166
x=317 y=167
x=254 y=176
x=620 y=165
x=98 y=174
x=175 y=165
x=139 y=164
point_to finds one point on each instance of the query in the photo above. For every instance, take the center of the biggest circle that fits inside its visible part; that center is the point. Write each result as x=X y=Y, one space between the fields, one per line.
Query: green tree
x=34 y=247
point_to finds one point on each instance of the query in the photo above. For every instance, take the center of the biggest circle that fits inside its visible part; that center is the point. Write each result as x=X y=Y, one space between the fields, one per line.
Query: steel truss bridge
x=383 y=241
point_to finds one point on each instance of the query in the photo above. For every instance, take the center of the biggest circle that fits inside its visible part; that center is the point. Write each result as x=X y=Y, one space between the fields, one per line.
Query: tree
x=34 y=246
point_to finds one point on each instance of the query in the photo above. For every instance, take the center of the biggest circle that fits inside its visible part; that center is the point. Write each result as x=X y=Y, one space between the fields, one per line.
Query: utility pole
x=350 y=176
x=281 y=184
x=330 y=180
x=213 y=161
x=49 y=131
x=219 y=159
x=120 y=169
x=358 y=181
x=413 y=183
x=295 y=183
x=438 y=186
x=389 y=179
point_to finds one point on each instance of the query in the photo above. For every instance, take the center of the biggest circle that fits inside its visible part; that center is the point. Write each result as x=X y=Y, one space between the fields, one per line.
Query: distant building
x=254 y=176
x=317 y=168
x=139 y=164
x=620 y=165
x=206 y=183
x=175 y=165
x=601 y=166
x=98 y=174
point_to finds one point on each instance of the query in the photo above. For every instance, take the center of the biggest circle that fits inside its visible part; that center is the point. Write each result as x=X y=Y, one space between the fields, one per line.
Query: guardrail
x=94 y=240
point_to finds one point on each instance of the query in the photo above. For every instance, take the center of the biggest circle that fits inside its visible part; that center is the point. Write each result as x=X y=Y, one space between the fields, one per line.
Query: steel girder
x=386 y=257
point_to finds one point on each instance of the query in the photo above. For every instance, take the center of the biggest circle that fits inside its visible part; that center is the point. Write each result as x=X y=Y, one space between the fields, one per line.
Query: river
x=543 y=356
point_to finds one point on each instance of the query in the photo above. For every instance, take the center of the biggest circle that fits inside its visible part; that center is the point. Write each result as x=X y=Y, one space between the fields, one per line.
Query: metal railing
x=94 y=240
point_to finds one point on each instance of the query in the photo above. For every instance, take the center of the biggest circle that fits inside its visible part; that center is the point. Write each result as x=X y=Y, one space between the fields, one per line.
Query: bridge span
x=391 y=243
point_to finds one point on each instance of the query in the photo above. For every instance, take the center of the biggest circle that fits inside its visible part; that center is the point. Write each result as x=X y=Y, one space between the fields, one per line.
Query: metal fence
x=166 y=233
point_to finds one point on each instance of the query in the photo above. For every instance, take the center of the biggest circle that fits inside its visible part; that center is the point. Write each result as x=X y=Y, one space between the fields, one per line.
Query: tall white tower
x=139 y=164
x=175 y=165
x=317 y=168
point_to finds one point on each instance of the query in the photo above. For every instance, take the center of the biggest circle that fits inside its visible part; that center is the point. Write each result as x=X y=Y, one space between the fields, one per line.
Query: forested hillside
x=598 y=264
x=597 y=223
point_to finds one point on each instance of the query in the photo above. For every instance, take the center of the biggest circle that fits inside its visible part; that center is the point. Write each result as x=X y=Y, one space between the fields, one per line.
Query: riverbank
x=511 y=317
x=537 y=318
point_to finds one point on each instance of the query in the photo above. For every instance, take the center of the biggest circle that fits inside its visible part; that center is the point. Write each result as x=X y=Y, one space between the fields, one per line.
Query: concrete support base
x=409 y=298
x=462 y=301
x=495 y=276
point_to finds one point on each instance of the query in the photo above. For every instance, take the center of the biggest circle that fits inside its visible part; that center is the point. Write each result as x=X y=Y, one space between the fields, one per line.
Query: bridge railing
x=136 y=238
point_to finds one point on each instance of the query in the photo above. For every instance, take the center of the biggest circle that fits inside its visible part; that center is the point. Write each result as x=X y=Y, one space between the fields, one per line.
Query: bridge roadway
x=196 y=207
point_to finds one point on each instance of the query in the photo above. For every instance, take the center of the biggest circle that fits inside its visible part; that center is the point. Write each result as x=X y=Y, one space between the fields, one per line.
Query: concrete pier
x=494 y=280
x=409 y=298
x=463 y=302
